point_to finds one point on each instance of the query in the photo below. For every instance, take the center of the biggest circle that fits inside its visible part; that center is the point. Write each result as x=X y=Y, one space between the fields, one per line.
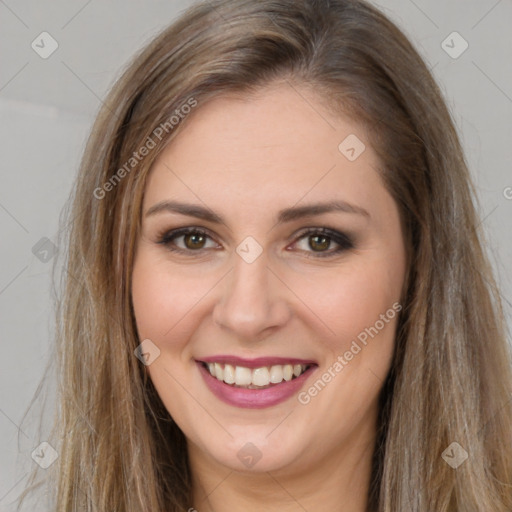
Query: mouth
x=255 y=378
x=254 y=383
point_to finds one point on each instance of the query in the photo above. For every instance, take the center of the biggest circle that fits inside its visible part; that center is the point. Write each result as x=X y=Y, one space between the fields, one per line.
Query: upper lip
x=257 y=362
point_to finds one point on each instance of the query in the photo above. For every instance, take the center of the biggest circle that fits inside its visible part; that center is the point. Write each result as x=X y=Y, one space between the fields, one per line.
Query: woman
x=277 y=296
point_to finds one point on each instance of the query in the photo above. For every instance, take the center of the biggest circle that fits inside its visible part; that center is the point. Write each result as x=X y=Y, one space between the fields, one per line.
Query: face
x=272 y=257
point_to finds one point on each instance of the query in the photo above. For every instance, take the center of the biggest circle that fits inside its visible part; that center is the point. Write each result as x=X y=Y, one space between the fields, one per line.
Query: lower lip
x=254 y=398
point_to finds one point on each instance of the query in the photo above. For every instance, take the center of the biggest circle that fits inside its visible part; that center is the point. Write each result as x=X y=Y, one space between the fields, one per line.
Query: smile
x=254 y=383
x=257 y=378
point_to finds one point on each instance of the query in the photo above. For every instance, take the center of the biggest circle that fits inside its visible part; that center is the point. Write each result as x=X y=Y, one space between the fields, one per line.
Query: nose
x=253 y=301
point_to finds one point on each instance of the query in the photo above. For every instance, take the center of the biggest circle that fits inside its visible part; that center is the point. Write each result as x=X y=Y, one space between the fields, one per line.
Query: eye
x=193 y=239
x=318 y=240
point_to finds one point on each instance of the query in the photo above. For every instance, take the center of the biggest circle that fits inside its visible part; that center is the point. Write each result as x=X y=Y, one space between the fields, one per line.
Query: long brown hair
x=450 y=380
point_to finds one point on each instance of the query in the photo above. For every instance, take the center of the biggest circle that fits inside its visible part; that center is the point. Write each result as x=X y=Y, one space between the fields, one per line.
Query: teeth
x=229 y=374
x=257 y=377
x=276 y=374
x=243 y=376
x=261 y=377
x=287 y=372
x=219 y=372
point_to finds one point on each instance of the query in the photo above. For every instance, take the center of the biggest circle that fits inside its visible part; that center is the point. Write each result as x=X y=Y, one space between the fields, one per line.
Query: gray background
x=47 y=107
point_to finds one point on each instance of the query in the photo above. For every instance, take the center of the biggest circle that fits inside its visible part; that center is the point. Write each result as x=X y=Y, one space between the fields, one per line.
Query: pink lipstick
x=254 y=383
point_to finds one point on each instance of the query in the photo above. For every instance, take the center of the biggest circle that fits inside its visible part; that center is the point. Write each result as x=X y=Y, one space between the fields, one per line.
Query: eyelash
x=344 y=241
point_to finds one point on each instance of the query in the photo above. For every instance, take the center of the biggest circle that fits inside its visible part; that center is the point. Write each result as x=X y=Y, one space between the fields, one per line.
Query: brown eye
x=323 y=242
x=319 y=242
x=187 y=240
x=194 y=240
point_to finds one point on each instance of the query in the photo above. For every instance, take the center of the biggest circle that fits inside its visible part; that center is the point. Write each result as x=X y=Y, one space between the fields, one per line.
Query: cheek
x=151 y=294
x=351 y=299
x=162 y=297
x=361 y=305
x=163 y=302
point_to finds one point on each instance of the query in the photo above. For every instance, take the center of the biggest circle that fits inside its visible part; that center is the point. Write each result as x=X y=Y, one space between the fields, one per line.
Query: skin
x=246 y=158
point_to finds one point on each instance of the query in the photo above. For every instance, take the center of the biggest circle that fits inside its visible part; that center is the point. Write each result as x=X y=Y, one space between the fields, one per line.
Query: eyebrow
x=285 y=215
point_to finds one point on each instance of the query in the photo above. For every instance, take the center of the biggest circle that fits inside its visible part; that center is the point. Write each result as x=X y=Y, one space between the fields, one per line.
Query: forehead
x=267 y=150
